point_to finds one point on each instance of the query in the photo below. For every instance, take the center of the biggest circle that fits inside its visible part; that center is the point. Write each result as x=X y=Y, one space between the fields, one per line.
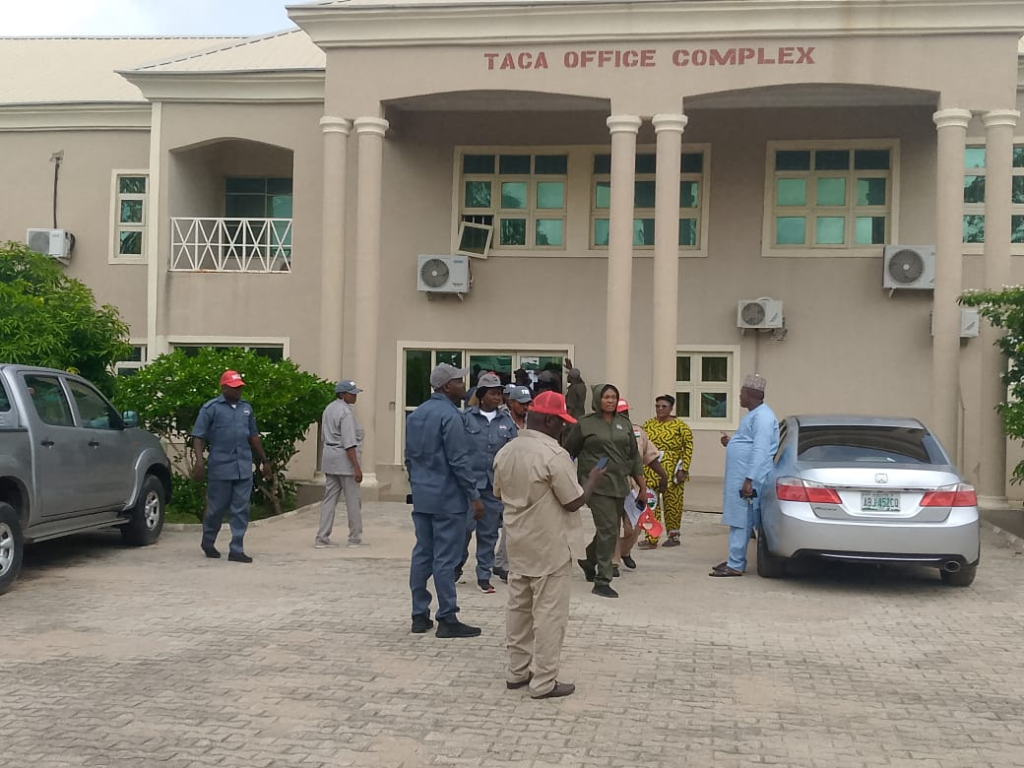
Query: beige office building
x=626 y=184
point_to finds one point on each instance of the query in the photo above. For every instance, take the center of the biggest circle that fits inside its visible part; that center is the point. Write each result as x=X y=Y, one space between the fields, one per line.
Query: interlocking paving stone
x=159 y=656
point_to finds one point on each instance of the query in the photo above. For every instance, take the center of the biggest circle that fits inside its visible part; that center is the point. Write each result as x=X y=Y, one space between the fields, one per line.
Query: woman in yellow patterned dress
x=671 y=436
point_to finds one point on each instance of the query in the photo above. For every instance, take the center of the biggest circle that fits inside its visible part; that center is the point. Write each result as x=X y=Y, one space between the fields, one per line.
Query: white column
x=332 y=247
x=952 y=134
x=623 y=129
x=669 y=132
x=155 y=268
x=370 y=136
x=999 y=127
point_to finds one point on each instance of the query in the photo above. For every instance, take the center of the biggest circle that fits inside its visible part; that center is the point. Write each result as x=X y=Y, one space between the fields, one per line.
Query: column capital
x=952 y=118
x=669 y=123
x=996 y=117
x=377 y=125
x=335 y=125
x=623 y=123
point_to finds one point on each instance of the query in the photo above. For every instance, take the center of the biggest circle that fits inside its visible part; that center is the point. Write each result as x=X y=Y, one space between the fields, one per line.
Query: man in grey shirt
x=342 y=437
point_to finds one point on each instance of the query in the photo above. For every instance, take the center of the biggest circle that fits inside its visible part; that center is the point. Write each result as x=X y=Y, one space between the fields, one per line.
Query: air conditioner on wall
x=55 y=243
x=970 y=323
x=443 y=274
x=759 y=313
x=909 y=267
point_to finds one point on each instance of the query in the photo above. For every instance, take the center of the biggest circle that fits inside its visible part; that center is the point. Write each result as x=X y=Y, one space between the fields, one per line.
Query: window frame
x=531 y=213
x=703 y=199
x=243 y=342
x=116 y=226
x=978 y=209
x=850 y=209
x=121 y=367
x=516 y=349
x=694 y=388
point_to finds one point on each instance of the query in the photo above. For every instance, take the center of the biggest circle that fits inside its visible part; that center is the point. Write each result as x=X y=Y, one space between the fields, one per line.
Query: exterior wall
x=84 y=205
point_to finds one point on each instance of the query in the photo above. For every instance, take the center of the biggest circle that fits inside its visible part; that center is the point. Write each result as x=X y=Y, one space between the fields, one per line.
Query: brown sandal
x=726 y=571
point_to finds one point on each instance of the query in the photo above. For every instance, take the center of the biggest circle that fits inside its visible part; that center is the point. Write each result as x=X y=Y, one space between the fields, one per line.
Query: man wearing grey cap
x=748 y=460
x=442 y=482
x=342 y=437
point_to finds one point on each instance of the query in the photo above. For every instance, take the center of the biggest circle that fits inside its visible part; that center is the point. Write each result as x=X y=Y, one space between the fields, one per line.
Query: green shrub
x=168 y=393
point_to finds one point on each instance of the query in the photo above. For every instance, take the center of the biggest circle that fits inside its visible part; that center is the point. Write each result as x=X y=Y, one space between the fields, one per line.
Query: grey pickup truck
x=69 y=462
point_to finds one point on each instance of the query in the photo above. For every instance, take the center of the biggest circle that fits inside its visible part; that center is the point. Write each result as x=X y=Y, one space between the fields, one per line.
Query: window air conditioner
x=443 y=274
x=759 y=313
x=909 y=266
x=55 y=243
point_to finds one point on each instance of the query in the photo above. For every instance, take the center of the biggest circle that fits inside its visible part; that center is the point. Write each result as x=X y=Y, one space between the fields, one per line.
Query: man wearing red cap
x=227 y=426
x=536 y=481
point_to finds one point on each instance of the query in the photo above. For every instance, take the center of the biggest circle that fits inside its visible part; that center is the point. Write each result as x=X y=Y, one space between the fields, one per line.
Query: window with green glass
x=705 y=382
x=831 y=196
x=691 y=199
x=131 y=203
x=975 y=160
x=523 y=196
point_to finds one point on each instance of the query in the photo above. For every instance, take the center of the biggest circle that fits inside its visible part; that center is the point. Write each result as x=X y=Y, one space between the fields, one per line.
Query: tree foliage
x=50 y=319
x=169 y=391
x=1005 y=309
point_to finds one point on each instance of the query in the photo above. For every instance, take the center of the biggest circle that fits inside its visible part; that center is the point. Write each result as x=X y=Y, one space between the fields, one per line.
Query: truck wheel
x=768 y=565
x=147 y=516
x=12 y=546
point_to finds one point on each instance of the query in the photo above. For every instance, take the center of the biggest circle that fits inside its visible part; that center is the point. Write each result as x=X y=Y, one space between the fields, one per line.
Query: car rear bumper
x=795 y=534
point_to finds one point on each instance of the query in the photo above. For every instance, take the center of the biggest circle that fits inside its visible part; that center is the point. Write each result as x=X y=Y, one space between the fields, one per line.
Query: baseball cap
x=623 y=405
x=488 y=380
x=231 y=379
x=551 y=404
x=444 y=373
x=346 y=386
x=520 y=394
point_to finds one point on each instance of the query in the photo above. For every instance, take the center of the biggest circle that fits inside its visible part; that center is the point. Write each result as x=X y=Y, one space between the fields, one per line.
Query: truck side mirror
x=131 y=419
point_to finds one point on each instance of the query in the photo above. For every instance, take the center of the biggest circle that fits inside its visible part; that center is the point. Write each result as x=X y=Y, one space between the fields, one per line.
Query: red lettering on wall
x=587 y=57
x=805 y=55
x=699 y=57
x=508 y=62
x=630 y=58
x=719 y=58
x=762 y=59
x=681 y=57
x=785 y=55
x=745 y=54
x=571 y=60
x=490 y=59
x=541 y=62
x=647 y=57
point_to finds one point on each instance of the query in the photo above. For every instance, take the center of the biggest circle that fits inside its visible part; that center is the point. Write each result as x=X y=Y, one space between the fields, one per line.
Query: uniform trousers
x=227 y=496
x=537 y=614
x=607 y=511
x=334 y=486
x=440 y=538
x=486 y=529
x=501 y=553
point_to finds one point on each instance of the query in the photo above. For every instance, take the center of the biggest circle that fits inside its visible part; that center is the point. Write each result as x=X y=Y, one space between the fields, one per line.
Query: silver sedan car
x=867 y=489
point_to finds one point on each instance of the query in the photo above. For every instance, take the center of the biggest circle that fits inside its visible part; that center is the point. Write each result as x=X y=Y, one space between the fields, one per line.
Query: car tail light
x=961 y=495
x=795 y=489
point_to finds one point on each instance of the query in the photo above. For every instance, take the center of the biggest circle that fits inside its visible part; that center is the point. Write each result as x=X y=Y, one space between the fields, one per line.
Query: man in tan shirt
x=536 y=481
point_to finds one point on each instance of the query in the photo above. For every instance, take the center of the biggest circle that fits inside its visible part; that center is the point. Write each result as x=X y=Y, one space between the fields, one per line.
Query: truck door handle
x=94 y=443
x=47 y=443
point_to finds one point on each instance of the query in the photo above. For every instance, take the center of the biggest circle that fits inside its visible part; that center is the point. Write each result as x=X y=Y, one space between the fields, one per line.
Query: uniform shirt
x=535 y=479
x=486 y=438
x=340 y=431
x=648 y=450
x=226 y=429
x=576 y=399
x=591 y=438
x=749 y=454
x=437 y=458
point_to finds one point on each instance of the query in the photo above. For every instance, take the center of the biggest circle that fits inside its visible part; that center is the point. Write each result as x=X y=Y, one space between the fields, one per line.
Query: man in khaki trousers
x=536 y=481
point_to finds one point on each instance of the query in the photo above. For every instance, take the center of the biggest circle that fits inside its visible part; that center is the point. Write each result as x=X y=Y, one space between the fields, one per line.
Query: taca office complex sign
x=630 y=58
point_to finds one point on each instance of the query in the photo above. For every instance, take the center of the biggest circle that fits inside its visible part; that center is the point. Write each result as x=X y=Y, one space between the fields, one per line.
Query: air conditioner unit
x=909 y=266
x=55 y=243
x=759 y=313
x=443 y=274
x=970 y=323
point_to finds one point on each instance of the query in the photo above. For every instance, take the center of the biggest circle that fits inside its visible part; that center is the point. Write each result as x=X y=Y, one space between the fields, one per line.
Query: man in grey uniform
x=228 y=426
x=342 y=437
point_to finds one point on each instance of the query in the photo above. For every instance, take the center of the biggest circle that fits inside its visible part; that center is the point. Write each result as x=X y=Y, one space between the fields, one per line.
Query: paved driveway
x=160 y=657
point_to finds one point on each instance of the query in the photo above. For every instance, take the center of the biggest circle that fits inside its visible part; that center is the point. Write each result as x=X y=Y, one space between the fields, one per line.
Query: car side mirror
x=131 y=419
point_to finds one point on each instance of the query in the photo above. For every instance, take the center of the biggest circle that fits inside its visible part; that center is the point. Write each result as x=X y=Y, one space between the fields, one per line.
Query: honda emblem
x=881 y=478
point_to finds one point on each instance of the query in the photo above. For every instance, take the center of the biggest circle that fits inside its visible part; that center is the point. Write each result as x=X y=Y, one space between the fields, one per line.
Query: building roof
x=279 y=51
x=56 y=70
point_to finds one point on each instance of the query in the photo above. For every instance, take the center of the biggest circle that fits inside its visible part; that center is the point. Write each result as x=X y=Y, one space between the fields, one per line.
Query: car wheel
x=962 y=578
x=147 y=516
x=768 y=565
x=12 y=546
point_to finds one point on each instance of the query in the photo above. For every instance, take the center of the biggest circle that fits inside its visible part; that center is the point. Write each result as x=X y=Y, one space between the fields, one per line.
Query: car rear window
x=852 y=443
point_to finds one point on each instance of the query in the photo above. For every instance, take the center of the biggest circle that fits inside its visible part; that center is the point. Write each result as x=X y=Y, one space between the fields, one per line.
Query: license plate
x=880 y=502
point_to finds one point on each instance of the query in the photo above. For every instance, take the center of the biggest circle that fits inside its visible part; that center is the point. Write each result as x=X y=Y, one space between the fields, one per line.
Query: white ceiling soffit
x=356 y=23
x=500 y=101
